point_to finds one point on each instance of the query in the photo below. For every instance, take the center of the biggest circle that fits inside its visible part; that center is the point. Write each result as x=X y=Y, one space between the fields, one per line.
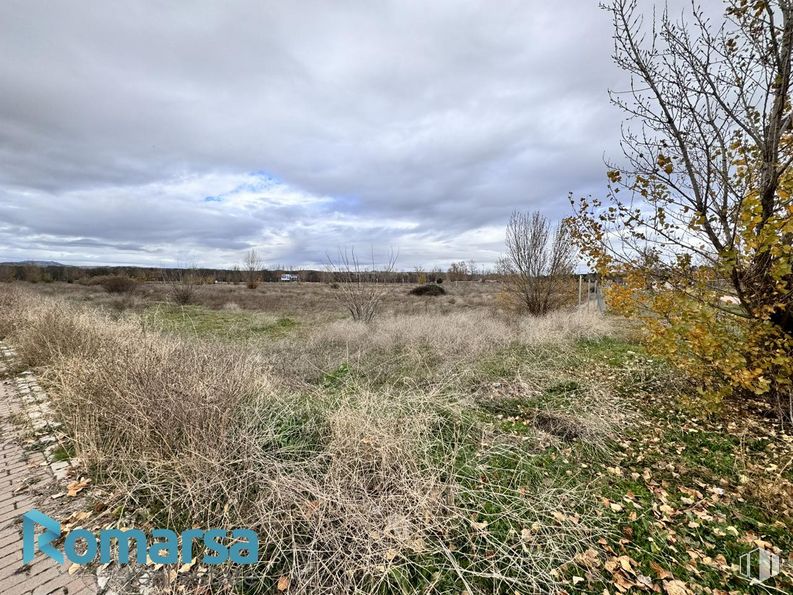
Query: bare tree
x=361 y=286
x=473 y=269
x=251 y=265
x=458 y=271
x=539 y=260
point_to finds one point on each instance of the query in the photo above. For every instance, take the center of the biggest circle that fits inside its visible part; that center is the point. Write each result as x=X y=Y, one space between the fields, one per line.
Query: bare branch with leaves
x=708 y=217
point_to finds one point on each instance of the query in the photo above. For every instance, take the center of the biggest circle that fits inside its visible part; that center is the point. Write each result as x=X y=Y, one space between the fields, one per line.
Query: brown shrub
x=114 y=283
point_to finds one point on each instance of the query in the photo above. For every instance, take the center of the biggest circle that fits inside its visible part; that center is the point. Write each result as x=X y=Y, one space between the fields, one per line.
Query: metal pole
x=580 y=287
x=597 y=296
x=588 y=290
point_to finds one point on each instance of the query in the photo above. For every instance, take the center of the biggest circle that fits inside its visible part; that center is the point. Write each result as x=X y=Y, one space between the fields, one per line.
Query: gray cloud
x=413 y=124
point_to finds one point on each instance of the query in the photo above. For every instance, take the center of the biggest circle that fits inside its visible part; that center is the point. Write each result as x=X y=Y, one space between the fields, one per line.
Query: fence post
x=597 y=295
x=588 y=290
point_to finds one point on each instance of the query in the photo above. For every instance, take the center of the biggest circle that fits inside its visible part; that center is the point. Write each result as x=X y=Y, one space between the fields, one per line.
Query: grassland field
x=450 y=446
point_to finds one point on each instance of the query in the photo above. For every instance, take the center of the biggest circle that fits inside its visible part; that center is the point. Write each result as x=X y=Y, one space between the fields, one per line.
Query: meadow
x=452 y=445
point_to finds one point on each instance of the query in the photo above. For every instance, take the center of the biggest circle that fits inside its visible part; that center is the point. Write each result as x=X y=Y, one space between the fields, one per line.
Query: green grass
x=613 y=351
x=220 y=324
x=63 y=452
x=335 y=379
x=674 y=490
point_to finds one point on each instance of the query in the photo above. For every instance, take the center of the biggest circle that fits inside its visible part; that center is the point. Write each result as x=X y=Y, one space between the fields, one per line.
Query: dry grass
x=422 y=347
x=310 y=301
x=363 y=472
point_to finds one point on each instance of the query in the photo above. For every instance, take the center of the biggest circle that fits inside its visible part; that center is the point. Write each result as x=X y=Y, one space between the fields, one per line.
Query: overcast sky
x=163 y=132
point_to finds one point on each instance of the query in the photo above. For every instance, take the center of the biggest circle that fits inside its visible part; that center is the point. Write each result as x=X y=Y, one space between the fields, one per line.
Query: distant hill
x=37 y=263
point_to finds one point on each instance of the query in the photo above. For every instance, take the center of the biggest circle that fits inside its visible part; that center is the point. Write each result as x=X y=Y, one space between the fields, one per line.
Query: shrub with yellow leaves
x=701 y=249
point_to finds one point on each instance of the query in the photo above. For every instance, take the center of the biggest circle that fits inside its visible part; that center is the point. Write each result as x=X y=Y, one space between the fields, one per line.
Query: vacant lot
x=450 y=446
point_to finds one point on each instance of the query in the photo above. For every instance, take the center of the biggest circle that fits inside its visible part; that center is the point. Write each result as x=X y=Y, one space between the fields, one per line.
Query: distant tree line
x=35 y=273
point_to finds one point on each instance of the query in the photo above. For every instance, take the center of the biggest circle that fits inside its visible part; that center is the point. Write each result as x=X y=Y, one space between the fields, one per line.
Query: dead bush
x=114 y=283
x=538 y=262
x=182 y=284
x=361 y=287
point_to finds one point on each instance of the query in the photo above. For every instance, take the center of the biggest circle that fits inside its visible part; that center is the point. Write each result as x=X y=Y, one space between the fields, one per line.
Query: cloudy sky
x=162 y=132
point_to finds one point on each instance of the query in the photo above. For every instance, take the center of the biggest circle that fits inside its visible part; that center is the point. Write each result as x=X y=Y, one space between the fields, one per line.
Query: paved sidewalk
x=20 y=473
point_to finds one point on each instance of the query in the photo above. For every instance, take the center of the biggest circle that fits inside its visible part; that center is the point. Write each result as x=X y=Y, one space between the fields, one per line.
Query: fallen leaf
x=589 y=559
x=661 y=572
x=676 y=587
x=76 y=487
x=622 y=582
x=283 y=583
x=625 y=563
